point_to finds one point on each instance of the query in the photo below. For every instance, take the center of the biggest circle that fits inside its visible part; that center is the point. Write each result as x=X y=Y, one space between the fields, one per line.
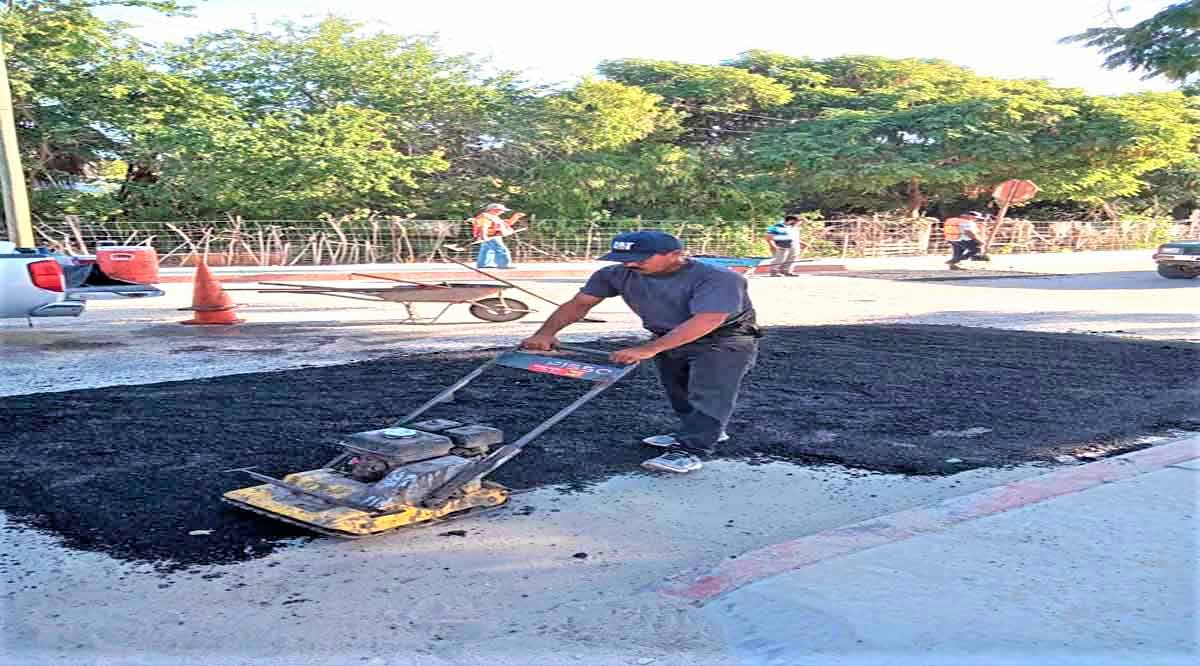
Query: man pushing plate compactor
x=705 y=336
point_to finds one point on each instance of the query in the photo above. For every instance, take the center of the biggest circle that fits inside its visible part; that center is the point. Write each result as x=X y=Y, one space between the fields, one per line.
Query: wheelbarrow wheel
x=499 y=310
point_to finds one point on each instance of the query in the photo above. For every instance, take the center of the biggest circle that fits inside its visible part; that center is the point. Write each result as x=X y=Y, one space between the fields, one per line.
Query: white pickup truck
x=33 y=285
x=37 y=284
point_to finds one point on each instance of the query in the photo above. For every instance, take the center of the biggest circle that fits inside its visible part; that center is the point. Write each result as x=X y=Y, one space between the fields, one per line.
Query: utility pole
x=12 y=176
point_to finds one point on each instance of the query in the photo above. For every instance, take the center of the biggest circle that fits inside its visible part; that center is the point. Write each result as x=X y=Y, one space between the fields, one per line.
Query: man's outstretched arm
x=568 y=313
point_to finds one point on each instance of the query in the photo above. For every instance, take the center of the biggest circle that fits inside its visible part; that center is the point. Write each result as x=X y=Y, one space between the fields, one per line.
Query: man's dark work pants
x=702 y=380
x=964 y=249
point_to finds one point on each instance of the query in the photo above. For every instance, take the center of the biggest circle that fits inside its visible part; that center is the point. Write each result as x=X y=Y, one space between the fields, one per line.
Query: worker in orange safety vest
x=489 y=230
x=965 y=237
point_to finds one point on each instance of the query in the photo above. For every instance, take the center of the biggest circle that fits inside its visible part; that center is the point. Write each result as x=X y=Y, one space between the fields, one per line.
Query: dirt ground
x=907 y=399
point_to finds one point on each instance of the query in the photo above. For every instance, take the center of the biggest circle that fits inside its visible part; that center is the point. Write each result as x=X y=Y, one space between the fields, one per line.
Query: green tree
x=604 y=115
x=716 y=88
x=77 y=82
x=913 y=131
x=1102 y=152
x=301 y=120
x=1173 y=191
x=1166 y=44
x=283 y=165
x=689 y=166
x=430 y=113
x=482 y=135
x=714 y=102
x=651 y=180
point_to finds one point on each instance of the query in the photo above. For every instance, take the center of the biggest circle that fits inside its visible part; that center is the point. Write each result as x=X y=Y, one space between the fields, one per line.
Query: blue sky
x=561 y=40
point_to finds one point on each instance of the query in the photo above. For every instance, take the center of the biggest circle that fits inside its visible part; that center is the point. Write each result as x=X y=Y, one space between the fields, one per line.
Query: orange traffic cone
x=210 y=302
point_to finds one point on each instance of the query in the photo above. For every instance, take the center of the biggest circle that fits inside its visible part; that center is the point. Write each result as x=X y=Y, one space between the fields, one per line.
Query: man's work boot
x=668 y=440
x=676 y=461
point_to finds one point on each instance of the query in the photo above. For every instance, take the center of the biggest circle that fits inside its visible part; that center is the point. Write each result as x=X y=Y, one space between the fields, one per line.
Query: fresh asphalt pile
x=131 y=470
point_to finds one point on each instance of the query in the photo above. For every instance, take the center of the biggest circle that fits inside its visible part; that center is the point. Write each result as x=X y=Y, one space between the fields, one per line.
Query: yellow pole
x=12 y=176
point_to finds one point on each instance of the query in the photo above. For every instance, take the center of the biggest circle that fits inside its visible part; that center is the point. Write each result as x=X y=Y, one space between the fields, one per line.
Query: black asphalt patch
x=131 y=470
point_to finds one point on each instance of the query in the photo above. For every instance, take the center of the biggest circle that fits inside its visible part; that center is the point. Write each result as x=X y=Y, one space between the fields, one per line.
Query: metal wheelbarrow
x=487 y=300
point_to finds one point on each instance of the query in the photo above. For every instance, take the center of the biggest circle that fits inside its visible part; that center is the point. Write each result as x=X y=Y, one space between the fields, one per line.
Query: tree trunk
x=916 y=200
x=1110 y=211
x=995 y=230
x=991 y=233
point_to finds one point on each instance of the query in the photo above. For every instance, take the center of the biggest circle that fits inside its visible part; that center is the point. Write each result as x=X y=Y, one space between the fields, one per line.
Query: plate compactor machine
x=416 y=471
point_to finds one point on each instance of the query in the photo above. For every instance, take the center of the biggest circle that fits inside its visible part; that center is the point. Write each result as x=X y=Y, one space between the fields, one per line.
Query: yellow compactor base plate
x=347 y=522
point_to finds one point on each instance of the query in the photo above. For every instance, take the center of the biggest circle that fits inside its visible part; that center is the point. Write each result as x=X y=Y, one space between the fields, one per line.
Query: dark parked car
x=1178 y=259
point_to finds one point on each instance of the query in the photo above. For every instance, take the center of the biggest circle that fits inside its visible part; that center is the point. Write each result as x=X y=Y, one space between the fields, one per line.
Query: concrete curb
x=779 y=558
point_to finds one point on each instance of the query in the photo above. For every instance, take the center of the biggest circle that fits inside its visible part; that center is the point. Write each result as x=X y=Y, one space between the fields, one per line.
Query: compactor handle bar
x=581 y=350
x=605 y=375
x=602 y=375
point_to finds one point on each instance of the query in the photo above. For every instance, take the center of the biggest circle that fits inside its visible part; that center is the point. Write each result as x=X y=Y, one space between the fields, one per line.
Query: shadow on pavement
x=1187 y=327
x=1133 y=280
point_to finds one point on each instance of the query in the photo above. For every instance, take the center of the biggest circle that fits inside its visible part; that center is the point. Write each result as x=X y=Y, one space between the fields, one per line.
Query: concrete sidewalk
x=1094 y=564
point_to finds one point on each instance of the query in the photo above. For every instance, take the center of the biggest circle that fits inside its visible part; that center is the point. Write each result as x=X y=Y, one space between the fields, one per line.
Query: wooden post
x=1009 y=198
x=991 y=234
x=12 y=174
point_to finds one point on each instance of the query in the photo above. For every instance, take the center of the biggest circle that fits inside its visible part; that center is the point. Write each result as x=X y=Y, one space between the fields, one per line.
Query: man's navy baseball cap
x=641 y=245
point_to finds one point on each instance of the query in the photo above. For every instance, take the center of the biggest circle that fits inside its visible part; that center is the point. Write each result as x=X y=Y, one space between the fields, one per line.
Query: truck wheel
x=1174 y=272
x=494 y=309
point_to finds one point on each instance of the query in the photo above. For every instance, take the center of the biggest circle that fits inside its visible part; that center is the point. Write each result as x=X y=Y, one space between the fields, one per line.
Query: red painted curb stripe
x=758 y=564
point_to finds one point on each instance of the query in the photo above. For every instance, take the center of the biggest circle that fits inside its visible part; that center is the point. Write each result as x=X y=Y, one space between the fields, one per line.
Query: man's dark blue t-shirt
x=666 y=301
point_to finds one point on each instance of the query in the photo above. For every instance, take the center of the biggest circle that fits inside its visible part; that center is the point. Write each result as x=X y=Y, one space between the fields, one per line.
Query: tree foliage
x=919 y=131
x=77 y=82
x=328 y=117
x=1166 y=44
x=715 y=88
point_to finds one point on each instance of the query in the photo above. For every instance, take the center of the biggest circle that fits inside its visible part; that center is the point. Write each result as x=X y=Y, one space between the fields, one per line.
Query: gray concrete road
x=134 y=342
x=512 y=591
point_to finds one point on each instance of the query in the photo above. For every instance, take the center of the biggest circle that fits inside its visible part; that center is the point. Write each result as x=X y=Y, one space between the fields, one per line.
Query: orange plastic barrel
x=137 y=263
